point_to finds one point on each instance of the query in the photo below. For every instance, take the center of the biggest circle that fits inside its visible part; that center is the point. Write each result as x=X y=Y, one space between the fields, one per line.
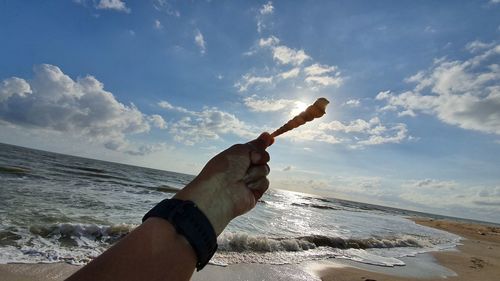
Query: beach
x=478 y=258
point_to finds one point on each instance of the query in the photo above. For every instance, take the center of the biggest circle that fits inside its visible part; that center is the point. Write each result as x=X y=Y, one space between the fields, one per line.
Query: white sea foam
x=384 y=251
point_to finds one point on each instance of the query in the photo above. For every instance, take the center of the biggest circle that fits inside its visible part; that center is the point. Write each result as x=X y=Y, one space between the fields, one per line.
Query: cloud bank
x=313 y=76
x=54 y=101
x=208 y=124
x=460 y=93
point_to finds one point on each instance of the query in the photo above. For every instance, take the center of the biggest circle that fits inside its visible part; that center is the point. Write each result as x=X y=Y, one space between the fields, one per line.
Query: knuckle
x=265 y=156
x=266 y=180
x=264 y=185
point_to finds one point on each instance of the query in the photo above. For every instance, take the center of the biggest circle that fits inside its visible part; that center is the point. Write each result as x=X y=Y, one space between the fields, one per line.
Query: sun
x=298 y=108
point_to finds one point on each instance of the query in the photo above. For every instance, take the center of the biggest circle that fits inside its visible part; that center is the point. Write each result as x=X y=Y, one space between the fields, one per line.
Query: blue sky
x=414 y=119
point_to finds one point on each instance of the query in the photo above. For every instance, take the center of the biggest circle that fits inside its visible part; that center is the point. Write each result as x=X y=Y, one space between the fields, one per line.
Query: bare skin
x=228 y=186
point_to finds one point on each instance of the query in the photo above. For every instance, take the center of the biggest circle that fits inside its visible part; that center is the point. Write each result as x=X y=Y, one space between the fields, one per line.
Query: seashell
x=316 y=110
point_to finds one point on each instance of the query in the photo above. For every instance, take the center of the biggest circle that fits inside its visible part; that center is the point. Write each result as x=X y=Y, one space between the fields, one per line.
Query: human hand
x=231 y=182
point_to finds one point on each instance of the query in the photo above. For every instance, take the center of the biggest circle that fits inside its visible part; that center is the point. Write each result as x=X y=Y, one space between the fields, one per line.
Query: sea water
x=60 y=208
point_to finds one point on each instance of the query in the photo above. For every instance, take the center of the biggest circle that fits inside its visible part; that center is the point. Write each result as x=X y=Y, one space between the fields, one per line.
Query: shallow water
x=56 y=207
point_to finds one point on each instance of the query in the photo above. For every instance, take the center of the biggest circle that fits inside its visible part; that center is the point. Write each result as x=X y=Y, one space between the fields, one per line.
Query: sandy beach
x=477 y=259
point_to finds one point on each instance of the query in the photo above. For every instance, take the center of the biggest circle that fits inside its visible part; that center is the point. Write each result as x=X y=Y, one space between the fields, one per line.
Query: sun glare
x=298 y=108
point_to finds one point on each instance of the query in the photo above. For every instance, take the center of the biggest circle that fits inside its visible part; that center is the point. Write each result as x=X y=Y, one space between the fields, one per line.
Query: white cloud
x=313 y=77
x=53 y=101
x=464 y=200
x=267 y=8
x=169 y=106
x=157 y=121
x=324 y=80
x=355 y=134
x=359 y=133
x=285 y=55
x=489 y=192
x=267 y=104
x=383 y=95
x=395 y=134
x=353 y=102
x=148 y=149
x=287 y=168
x=317 y=75
x=476 y=46
x=248 y=81
x=430 y=184
x=461 y=93
x=430 y=29
x=166 y=7
x=157 y=24
x=356 y=126
x=116 y=5
x=488 y=196
x=14 y=86
x=308 y=134
x=491 y=203
x=292 y=73
x=200 y=41
x=356 y=185
x=268 y=42
x=318 y=69
x=265 y=11
x=208 y=124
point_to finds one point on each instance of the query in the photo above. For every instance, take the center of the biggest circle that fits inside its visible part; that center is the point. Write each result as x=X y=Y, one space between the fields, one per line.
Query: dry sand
x=477 y=259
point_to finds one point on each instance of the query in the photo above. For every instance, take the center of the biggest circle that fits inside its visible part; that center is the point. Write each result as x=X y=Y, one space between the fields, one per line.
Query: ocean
x=60 y=208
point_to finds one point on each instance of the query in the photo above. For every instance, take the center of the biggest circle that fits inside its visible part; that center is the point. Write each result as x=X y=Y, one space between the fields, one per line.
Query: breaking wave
x=238 y=242
x=80 y=243
x=103 y=233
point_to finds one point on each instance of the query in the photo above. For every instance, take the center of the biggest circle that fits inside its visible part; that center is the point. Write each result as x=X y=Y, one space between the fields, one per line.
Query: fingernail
x=255 y=157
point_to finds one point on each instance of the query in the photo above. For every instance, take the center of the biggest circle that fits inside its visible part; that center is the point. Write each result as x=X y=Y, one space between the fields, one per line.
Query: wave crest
x=239 y=242
x=106 y=233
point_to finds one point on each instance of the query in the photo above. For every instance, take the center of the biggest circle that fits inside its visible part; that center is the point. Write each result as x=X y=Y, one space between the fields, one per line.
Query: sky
x=414 y=86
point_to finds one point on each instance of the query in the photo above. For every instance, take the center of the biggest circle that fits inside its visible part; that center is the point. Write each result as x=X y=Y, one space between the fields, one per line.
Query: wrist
x=213 y=206
x=190 y=222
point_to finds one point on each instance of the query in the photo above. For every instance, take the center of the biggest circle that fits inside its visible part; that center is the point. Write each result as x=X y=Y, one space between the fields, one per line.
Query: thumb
x=262 y=142
x=258 y=153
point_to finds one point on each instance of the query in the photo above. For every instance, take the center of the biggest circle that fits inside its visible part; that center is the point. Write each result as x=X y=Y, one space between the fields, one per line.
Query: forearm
x=228 y=186
x=153 y=251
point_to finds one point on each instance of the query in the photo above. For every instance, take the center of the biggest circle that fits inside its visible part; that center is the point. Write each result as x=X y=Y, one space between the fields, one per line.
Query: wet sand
x=477 y=259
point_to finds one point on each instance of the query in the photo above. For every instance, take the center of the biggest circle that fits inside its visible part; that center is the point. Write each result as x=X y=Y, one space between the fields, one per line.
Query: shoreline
x=478 y=258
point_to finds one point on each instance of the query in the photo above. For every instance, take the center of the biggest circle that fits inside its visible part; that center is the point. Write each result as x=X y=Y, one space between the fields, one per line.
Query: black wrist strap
x=190 y=222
